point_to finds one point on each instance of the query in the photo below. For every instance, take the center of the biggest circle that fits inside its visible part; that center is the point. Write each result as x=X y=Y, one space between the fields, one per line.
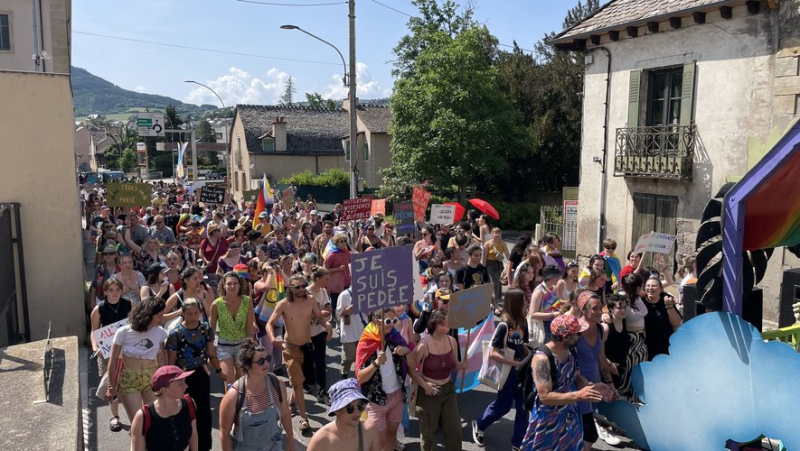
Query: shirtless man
x=348 y=431
x=322 y=239
x=297 y=311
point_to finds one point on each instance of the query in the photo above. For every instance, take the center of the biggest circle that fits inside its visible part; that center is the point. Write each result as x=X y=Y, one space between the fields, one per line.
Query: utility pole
x=353 y=104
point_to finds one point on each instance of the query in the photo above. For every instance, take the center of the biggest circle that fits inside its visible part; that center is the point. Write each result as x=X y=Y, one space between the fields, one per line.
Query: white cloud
x=140 y=88
x=366 y=86
x=240 y=87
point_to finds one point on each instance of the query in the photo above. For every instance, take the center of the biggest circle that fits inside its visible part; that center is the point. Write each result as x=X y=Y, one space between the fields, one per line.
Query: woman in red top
x=338 y=263
x=213 y=247
x=634 y=260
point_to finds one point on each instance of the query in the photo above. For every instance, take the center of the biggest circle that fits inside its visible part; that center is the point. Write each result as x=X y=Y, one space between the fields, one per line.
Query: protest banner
x=212 y=194
x=660 y=243
x=442 y=214
x=288 y=197
x=404 y=218
x=128 y=194
x=382 y=278
x=353 y=209
x=104 y=337
x=378 y=206
x=420 y=199
x=468 y=307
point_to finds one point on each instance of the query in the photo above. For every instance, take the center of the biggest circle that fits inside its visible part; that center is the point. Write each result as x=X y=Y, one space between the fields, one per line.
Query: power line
x=200 y=49
x=291 y=4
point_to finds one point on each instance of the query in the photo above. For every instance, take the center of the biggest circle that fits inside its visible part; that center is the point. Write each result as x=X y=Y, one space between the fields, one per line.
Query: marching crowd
x=256 y=297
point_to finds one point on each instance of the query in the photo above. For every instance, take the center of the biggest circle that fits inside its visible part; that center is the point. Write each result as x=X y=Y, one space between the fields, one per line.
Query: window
x=654 y=213
x=366 y=152
x=664 y=98
x=347 y=150
x=235 y=182
x=218 y=136
x=5 y=32
x=239 y=152
x=268 y=145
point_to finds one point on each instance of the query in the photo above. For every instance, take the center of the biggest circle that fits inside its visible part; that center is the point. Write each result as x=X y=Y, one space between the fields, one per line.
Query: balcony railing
x=657 y=152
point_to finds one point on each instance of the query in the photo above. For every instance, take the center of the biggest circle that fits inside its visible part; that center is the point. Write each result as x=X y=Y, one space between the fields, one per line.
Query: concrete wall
x=733 y=111
x=83 y=148
x=56 y=36
x=37 y=137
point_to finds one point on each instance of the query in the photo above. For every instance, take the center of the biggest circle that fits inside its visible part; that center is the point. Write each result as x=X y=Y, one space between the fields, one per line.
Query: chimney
x=279 y=133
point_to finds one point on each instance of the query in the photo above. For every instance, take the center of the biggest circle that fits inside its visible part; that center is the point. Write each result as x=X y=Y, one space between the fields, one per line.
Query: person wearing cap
x=555 y=422
x=238 y=235
x=171 y=417
x=347 y=431
x=212 y=247
x=263 y=224
x=103 y=272
x=544 y=300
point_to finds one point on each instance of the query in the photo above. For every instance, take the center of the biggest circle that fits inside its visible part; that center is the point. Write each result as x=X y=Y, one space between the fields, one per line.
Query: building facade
x=680 y=97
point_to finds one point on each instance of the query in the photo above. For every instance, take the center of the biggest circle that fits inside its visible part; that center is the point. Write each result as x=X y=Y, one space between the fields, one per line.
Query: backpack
x=526 y=384
x=146 y=414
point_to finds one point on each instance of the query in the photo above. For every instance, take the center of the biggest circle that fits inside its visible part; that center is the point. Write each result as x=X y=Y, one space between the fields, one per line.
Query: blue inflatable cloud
x=720 y=382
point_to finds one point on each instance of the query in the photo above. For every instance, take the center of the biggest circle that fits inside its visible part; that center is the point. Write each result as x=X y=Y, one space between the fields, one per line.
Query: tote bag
x=493 y=374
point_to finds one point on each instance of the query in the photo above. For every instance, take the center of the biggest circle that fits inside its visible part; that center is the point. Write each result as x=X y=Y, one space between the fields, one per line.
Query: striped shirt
x=260 y=402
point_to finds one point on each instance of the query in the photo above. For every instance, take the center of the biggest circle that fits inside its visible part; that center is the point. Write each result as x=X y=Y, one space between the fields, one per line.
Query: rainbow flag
x=330 y=247
x=265 y=198
x=477 y=335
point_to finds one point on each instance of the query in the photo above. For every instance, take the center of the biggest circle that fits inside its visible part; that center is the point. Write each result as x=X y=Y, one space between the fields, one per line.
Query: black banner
x=212 y=194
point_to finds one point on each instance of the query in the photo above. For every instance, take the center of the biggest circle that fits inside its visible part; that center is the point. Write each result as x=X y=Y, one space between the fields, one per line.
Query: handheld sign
x=104 y=337
x=442 y=214
x=288 y=196
x=420 y=199
x=382 y=278
x=353 y=209
x=128 y=194
x=660 y=243
x=212 y=194
x=404 y=218
x=468 y=307
x=378 y=206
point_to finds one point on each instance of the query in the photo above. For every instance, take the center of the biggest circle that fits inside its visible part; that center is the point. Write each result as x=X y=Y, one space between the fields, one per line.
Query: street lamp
x=352 y=93
x=227 y=138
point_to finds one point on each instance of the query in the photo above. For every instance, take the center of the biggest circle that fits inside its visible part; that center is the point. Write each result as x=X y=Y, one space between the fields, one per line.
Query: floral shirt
x=190 y=344
x=373 y=388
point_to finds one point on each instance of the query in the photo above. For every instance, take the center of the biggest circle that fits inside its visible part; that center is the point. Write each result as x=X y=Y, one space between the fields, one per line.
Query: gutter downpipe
x=603 y=163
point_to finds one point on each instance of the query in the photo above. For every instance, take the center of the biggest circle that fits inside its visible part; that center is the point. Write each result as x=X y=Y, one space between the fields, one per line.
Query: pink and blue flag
x=474 y=349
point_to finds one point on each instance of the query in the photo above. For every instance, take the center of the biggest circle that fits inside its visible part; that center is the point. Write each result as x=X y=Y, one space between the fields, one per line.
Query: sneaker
x=607 y=436
x=399 y=446
x=477 y=434
x=515 y=448
x=324 y=398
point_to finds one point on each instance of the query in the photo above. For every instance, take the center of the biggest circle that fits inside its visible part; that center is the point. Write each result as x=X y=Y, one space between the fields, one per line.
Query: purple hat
x=343 y=393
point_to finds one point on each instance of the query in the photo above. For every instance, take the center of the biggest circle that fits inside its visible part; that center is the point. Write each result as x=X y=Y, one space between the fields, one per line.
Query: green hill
x=94 y=95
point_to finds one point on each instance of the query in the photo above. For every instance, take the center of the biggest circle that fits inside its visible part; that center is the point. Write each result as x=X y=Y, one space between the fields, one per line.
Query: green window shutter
x=347 y=150
x=633 y=98
x=687 y=94
x=366 y=152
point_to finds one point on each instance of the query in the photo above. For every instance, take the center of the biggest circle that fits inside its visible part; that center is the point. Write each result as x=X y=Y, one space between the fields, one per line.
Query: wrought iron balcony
x=664 y=152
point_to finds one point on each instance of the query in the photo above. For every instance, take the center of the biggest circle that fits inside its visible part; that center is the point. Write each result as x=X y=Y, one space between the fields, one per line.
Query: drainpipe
x=601 y=219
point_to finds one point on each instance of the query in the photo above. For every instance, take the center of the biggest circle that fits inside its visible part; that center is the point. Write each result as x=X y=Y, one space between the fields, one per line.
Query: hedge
x=332 y=178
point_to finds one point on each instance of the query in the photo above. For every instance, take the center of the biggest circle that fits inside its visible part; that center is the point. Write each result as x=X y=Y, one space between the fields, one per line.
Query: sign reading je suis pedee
x=353 y=209
x=382 y=278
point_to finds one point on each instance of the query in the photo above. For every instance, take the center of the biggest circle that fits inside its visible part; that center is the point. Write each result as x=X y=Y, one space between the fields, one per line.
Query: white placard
x=442 y=214
x=660 y=243
x=104 y=337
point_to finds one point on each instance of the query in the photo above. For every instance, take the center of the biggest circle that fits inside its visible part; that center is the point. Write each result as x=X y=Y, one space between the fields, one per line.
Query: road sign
x=141 y=147
x=150 y=124
x=212 y=194
x=160 y=147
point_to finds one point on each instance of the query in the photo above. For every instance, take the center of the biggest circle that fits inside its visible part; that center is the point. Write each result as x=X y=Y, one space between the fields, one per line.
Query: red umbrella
x=460 y=210
x=485 y=207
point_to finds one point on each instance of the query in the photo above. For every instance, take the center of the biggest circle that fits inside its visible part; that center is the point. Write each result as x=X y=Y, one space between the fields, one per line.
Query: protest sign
x=660 y=243
x=288 y=197
x=404 y=218
x=468 y=307
x=104 y=337
x=382 y=278
x=442 y=214
x=128 y=194
x=251 y=195
x=353 y=209
x=420 y=199
x=212 y=194
x=378 y=206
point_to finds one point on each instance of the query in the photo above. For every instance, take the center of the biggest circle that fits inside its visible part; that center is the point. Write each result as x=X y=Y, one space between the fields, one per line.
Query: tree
x=204 y=133
x=452 y=125
x=315 y=100
x=288 y=93
x=128 y=161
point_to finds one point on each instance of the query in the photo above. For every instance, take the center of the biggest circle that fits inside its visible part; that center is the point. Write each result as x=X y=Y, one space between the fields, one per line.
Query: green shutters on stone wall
x=687 y=94
x=633 y=98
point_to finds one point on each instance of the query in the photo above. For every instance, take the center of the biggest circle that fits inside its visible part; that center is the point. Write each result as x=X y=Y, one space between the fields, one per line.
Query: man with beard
x=322 y=239
x=297 y=311
x=555 y=422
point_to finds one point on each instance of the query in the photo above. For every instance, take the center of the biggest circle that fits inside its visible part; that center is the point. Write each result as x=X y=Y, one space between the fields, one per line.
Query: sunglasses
x=299 y=287
x=263 y=360
x=389 y=321
x=184 y=240
x=352 y=408
x=437 y=266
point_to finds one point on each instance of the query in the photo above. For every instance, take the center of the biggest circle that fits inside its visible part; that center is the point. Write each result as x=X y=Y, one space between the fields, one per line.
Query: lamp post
x=227 y=138
x=350 y=82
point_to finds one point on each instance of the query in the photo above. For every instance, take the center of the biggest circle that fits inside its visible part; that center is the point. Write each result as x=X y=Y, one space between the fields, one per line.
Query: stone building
x=680 y=97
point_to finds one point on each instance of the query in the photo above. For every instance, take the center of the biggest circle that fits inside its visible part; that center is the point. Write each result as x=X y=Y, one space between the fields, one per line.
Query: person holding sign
x=381 y=371
x=425 y=248
x=113 y=309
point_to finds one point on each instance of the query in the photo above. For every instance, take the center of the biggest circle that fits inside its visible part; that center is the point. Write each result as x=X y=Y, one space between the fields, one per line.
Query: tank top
x=154 y=294
x=230 y=328
x=438 y=366
x=588 y=363
x=111 y=314
x=549 y=299
x=617 y=344
x=169 y=434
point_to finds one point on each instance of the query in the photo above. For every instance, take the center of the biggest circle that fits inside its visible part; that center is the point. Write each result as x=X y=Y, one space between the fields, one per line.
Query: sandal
x=115 y=424
x=304 y=426
x=294 y=410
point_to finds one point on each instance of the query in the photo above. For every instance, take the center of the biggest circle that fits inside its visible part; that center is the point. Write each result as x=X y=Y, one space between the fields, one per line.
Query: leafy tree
x=128 y=160
x=452 y=125
x=173 y=120
x=204 y=133
x=288 y=93
x=315 y=100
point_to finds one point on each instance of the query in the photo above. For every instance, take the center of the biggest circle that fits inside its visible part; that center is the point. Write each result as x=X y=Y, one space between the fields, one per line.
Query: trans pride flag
x=478 y=334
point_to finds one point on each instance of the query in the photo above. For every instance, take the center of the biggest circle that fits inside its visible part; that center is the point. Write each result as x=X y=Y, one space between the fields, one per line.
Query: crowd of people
x=257 y=298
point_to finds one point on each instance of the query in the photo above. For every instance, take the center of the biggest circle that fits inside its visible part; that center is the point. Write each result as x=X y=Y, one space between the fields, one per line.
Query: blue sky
x=253 y=29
